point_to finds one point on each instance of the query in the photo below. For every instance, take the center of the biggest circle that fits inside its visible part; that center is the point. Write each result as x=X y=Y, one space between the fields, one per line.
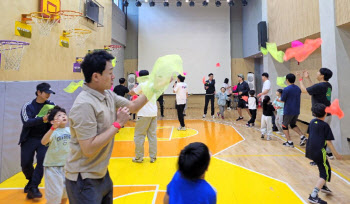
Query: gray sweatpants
x=146 y=126
x=222 y=110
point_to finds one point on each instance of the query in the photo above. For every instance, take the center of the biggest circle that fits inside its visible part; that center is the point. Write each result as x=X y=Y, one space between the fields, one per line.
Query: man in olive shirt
x=96 y=116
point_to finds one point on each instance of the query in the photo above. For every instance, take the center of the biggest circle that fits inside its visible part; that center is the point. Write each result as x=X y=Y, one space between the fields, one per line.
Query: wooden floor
x=289 y=179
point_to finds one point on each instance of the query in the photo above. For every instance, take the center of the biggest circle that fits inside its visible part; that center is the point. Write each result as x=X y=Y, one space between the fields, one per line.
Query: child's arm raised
x=330 y=145
x=47 y=137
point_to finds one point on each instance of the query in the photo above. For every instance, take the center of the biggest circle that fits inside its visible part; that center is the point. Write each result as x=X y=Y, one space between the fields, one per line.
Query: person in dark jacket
x=210 y=92
x=34 y=128
x=121 y=89
x=242 y=90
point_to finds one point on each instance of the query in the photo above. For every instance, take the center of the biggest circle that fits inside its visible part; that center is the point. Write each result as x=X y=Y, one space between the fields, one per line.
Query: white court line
x=290 y=187
x=171 y=134
x=155 y=195
x=133 y=193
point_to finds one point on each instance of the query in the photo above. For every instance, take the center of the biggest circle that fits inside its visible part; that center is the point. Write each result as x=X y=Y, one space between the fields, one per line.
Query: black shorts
x=323 y=166
x=290 y=120
x=242 y=103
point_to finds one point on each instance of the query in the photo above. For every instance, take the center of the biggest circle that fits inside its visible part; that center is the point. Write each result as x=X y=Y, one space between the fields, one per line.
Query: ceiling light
x=205 y=3
x=191 y=3
x=166 y=4
x=126 y=3
x=178 y=3
x=151 y=3
x=231 y=3
x=138 y=4
x=217 y=3
x=244 y=2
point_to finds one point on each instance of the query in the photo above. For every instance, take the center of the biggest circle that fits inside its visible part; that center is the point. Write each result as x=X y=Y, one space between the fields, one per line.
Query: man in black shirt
x=320 y=137
x=242 y=90
x=34 y=128
x=210 y=92
x=121 y=89
x=320 y=92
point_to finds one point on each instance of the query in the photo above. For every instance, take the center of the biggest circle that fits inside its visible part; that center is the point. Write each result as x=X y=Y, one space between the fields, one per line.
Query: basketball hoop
x=44 y=21
x=69 y=19
x=80 y=36
x=13 y=52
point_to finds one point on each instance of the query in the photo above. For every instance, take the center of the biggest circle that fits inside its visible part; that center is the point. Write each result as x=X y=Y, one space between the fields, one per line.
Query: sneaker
x=34 y=192
x=247 y=125
x=316 y=200
x=330 y=155
x=218 y=114
x=137 y=160
x=181 y=128
x=252 y=125
x=228 y=108
x=274 y=129
x=268 y=137
x=325 y=189
x=213 y=116
x=240 y=118
x=26 y=188
x=262 y=136
x=303 y=141
x=278 y=132
x=184 y=114
x=283 y=135
x=153 y=160
x=287 y=144
x=313 y=163
x=204 y=116
x=162 y=116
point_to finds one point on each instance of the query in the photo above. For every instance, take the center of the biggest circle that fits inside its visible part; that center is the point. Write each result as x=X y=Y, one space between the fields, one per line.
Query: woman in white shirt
x=180 y=88
x=228 y=92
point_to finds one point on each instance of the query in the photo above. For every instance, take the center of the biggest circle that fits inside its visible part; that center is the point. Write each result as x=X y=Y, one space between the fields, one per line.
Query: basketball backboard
x=50 y=6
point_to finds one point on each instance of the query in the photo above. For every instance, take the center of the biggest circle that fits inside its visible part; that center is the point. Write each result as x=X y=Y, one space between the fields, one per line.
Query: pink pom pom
x=185 y=73
x=137 y=73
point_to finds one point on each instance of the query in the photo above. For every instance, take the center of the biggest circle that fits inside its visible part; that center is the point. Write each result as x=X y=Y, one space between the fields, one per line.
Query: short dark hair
x=265 y=74
x=121 y=80
x=280 y=91
x=194 y=160
x=211 y=74
x=52 y=113
x=95 y=63
x=223 y=88
x=226 y=80
x=181 y=78
x=291 y=78
x=252 y=92
x=318 y=110
x=143 y=73
x=265 y=101
x=327 y=73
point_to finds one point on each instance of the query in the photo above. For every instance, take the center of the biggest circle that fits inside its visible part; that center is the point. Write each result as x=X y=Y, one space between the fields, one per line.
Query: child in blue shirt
x=279 y=107
x=188 y=185
x=222 y=99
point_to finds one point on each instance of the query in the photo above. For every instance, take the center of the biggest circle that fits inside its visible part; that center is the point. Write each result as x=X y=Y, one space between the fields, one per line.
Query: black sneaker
x=287 y=144
x=313 y=163
x=26 y=188
x=248 y=125
x=162 y=116
x=34 y=192
x=330 y=155
x=316 y=200
x=240 y=118
x=303 y=141
x=184 y=115
x=262 y=136
x=325 y=189
x=252 y=125
x=275 y=129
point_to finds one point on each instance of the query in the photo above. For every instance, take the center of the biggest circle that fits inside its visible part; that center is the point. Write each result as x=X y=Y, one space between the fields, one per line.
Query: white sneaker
x=228 y=108
x=204 y=115
x=283 y=135
x=137 y=160
x=183 y=129
x=268 y=137
x=213 y=116
x=278 y=132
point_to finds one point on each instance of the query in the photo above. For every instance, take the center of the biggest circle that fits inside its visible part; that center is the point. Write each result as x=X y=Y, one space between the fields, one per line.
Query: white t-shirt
x=252 y=103
x=266 y=85
x=181 y=90
x=149 y=109
x=225 y=86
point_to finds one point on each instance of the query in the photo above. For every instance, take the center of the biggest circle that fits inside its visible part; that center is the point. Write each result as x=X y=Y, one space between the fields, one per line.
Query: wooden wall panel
x=313 y=63
x=44 y=58
x=241 y=66
x=342 y=8
x=290 y=20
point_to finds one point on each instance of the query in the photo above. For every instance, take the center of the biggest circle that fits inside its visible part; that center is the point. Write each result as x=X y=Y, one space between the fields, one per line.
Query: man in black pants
x=34 y=128
x=161 y=104
x=242 y=90
x=210 y=92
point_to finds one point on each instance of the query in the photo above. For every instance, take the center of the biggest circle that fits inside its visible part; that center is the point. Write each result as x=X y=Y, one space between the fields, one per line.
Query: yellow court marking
x=127 y=134
x=236 y=186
